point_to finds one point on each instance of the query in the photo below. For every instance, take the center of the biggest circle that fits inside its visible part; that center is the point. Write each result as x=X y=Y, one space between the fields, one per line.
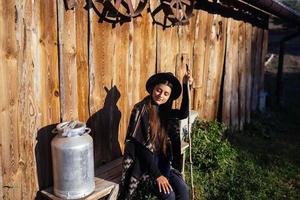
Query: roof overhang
x=275 y=8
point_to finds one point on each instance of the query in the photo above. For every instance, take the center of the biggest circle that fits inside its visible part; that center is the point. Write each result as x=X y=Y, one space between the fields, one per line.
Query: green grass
x=253 y=164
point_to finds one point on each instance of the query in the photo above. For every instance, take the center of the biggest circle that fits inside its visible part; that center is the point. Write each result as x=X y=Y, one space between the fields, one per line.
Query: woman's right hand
x=188 y=78
x=163 y=184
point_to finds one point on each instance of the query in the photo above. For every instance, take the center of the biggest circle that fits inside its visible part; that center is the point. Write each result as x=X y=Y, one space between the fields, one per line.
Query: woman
x=148 y=146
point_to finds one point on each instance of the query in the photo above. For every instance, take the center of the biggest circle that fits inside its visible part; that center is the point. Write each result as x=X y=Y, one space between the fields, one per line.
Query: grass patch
x=245 y=165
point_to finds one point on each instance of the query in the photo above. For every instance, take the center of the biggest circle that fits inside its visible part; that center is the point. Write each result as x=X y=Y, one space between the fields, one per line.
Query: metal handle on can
x=54 y=131
x=87 y=131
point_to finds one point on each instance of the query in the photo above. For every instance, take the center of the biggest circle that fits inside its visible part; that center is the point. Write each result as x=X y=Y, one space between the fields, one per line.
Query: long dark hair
x=158 y=121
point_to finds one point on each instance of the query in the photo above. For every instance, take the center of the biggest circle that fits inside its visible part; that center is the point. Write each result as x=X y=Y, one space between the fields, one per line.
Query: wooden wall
x=58 y=64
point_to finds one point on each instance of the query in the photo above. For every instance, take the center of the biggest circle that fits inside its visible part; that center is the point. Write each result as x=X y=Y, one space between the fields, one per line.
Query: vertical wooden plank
x=167 y=46
x=227 y=88
x=256 y=52
x=144 y=50
x=82 y=59
x=67 y=62
x=207 y=54
x=198 y=52
x=46 y=58
x=242 y=73
x=201 y=42
x=186 y=36
x=9 y=100
x=248 y=71
x=1 y=174
x=125 y=82
x=186 y=40
x=222 y=29
x=264 y=53
x=215 y=67
x=211 y=67
x=191 y=40
x=234 y=117
x=46 y=83
x=253 y=64
x=28 y=104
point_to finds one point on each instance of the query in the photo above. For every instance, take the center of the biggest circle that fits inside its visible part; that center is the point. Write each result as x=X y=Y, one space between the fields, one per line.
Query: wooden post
x=279 y=82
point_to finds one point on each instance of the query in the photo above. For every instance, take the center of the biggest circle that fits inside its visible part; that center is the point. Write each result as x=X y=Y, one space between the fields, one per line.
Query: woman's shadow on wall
x=104 y=126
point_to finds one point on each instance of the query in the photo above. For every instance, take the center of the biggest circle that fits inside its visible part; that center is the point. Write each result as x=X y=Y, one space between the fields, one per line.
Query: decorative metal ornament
x=127 y=8
x=164 y=12
x=171 y=12
x=182 y=10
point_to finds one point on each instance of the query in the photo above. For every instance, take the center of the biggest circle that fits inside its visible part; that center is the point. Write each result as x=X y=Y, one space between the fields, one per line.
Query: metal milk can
x=73 y=160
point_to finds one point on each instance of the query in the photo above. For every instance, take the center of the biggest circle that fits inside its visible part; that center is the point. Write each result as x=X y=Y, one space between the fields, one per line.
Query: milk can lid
x=71 y=128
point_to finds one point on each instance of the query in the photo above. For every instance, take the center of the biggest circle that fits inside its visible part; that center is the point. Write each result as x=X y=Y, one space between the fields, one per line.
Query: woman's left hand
x=188 y=78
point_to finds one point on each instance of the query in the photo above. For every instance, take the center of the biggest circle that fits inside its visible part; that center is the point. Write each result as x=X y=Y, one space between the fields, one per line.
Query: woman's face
x=161 y=93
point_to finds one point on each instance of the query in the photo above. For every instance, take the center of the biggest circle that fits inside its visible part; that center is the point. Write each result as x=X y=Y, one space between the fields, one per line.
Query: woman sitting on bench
x=148 y=148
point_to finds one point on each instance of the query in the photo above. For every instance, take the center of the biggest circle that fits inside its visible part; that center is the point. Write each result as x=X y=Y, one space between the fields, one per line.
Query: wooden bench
x=107 y=179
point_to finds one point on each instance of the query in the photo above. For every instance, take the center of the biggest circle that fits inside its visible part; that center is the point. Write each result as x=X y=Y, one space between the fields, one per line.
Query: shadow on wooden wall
x=105 y=128
x=43 y=158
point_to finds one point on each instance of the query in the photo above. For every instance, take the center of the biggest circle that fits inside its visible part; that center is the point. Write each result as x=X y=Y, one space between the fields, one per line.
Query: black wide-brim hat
x=162 y=77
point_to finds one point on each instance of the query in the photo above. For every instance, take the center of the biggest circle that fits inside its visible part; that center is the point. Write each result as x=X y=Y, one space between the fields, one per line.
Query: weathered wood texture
x=200 y=51
x=29 y=91
x=244 y=69
x=215 y=63
x=60 y=64
x=242 y=73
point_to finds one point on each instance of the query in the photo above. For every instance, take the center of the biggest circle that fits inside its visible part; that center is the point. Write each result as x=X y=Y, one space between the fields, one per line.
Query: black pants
x=180 y=189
